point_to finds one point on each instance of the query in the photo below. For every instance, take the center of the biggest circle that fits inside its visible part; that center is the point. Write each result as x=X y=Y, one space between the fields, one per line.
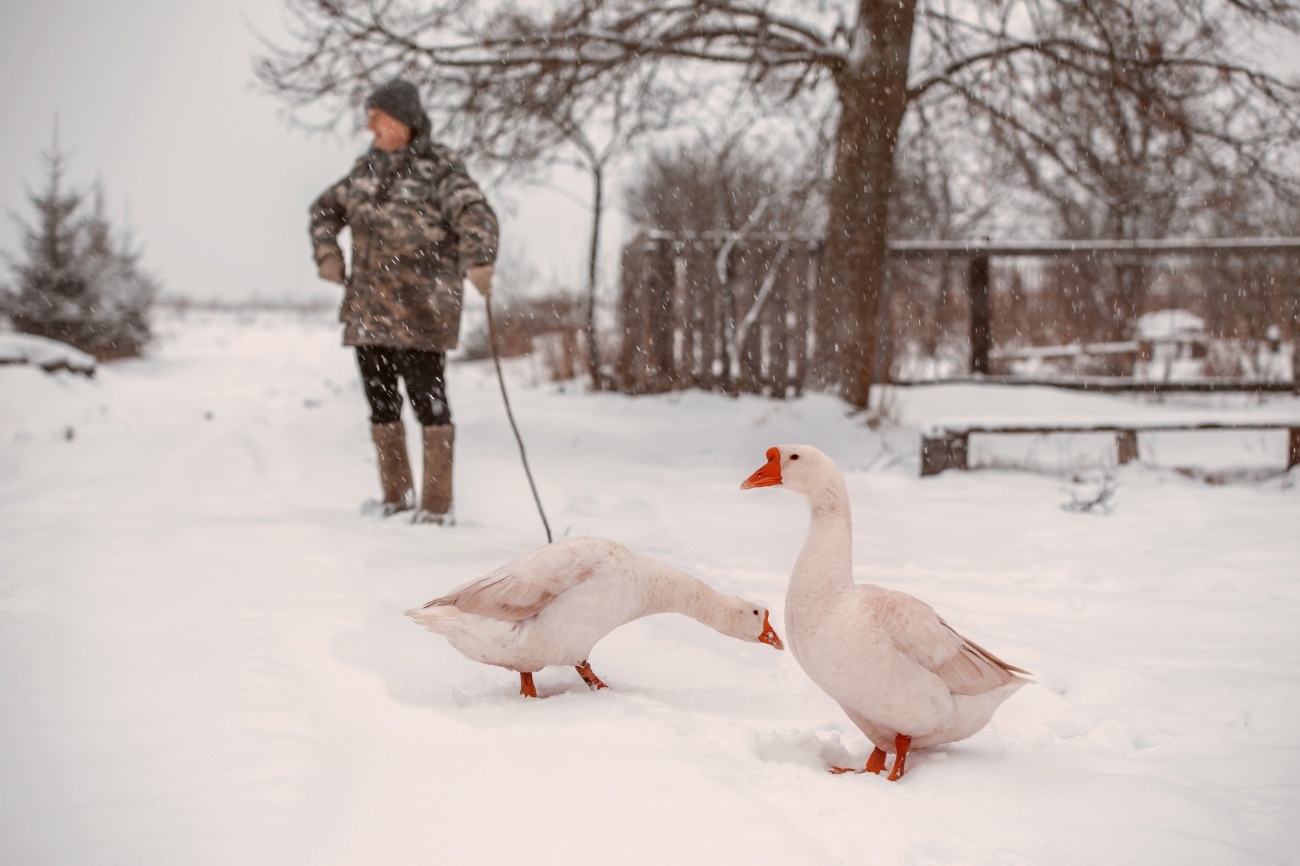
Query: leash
x=505 y=398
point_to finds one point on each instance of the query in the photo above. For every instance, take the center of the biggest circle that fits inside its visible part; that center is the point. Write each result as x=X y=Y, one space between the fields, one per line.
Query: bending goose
x=551 y=606
x=900 y=673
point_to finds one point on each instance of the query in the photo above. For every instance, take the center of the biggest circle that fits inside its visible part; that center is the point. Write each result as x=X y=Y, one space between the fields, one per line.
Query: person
x=420 y=226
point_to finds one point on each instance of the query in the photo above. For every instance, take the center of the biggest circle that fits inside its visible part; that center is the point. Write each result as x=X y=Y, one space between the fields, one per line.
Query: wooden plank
x=701 y=280
x=632 y=319
x=726 y=324
x=748 y=272
x=948 y=451
x=801 y=274
x=1152 y=427
x=686 y=316
x=660 y=331
x=966 y=248
x=1126 y=446
x=1093 y=248
x=779 y=325
x=948 y=447
x=981 y=311
x=1117 y=386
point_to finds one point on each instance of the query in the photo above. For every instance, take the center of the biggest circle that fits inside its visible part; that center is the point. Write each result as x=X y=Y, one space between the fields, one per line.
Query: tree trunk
x=872 y=90
x=593 y=254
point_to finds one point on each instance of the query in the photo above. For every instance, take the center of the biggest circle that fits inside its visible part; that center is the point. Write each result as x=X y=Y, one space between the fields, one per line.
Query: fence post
x=631 y=316
x=1126 y=446
x=662 y=326
x=802 y=304
x=1294 y=262
x=980 y=335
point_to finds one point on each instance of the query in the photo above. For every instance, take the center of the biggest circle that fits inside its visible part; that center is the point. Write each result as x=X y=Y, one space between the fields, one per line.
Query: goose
x=551 y=606
x=899 y=672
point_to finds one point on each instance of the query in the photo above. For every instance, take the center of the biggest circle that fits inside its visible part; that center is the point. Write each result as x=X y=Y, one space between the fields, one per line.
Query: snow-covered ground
x=203 y=657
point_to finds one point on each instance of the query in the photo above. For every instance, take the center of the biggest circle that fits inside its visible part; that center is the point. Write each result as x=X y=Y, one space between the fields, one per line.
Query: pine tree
x=79 y=282
x=50 y=285
x=123 y=293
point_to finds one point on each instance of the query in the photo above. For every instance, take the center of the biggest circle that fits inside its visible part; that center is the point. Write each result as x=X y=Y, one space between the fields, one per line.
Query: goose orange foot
x=589 y=676
x=526 y=687
x=901 y=744
x=876 y=763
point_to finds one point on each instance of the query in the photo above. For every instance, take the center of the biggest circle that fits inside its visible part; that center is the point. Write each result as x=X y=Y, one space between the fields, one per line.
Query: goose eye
x=755 y=613
x=794 y=456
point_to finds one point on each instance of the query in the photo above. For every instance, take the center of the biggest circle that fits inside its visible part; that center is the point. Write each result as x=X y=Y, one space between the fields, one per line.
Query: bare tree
x=506 y=68
x=635 y=107
x=718 y=183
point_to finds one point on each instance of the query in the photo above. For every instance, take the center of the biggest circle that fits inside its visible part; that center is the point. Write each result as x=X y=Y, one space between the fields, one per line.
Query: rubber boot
x=435 y=493
x=394 y=470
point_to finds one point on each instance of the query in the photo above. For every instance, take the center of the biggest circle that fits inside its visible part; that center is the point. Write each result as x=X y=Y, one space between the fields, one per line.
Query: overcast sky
x=157 y=100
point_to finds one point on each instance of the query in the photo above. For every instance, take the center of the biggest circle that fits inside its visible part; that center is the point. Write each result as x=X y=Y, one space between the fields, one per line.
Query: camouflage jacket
x=418 y=223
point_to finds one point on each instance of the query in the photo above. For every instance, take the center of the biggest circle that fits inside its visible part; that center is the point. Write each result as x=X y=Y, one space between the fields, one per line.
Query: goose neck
x=670 y=590
x=826 y=558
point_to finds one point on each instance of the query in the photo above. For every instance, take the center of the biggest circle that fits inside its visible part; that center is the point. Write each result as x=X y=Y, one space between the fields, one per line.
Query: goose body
x=900 y=673
x=551 y=606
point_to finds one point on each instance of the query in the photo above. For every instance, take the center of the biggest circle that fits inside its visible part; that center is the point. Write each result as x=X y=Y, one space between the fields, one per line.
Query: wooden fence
x=706 y=311
x=715 y=311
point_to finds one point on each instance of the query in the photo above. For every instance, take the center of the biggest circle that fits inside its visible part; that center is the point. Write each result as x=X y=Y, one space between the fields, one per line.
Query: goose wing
x=524 y=587
x=918 y=632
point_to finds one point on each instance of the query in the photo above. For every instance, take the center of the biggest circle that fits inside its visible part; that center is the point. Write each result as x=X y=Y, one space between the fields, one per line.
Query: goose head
x=749 y=621
x=742 y=619
x=800 y=468
x=805 y=470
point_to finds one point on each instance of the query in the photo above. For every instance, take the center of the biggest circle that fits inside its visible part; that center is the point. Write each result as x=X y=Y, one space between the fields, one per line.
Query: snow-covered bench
x=946 y=446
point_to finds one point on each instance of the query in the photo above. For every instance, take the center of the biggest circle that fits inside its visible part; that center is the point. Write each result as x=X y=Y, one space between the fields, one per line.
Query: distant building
x=1172 y=346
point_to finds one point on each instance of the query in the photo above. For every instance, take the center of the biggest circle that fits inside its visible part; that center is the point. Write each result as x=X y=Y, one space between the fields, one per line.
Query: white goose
x=896 y=668
x=551 y=606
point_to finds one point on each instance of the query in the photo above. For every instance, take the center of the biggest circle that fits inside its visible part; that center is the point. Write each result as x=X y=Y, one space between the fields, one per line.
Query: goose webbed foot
x=875 y=764
x=589 y=676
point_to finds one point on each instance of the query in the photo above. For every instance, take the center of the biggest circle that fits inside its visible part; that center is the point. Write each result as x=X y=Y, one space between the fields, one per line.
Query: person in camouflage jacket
x=419 y=225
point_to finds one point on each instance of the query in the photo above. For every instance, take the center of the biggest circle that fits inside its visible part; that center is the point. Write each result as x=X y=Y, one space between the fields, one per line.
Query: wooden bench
x=947 y=446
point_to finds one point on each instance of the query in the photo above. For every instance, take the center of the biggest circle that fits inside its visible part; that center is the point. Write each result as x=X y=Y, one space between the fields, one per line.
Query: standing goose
x=551 y=606
x=901 y=673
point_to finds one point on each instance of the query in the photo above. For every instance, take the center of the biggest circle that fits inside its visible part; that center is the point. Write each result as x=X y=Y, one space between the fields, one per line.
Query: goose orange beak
x=768 y=475
x=769 y=635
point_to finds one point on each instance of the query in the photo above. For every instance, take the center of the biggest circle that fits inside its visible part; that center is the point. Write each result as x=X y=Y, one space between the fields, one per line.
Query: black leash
x=492 y=344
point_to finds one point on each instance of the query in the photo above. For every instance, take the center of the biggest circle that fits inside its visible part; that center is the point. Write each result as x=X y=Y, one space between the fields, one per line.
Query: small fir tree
x=79 y=281
x=123 y=292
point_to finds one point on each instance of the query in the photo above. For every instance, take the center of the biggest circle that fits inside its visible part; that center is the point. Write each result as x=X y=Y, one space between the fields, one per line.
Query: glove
x=331 y=270
x=481 y=277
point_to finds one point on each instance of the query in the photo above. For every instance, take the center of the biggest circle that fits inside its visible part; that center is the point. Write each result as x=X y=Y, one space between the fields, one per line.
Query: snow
x=45 y=353
x=203 y=656
x=1170 y=325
